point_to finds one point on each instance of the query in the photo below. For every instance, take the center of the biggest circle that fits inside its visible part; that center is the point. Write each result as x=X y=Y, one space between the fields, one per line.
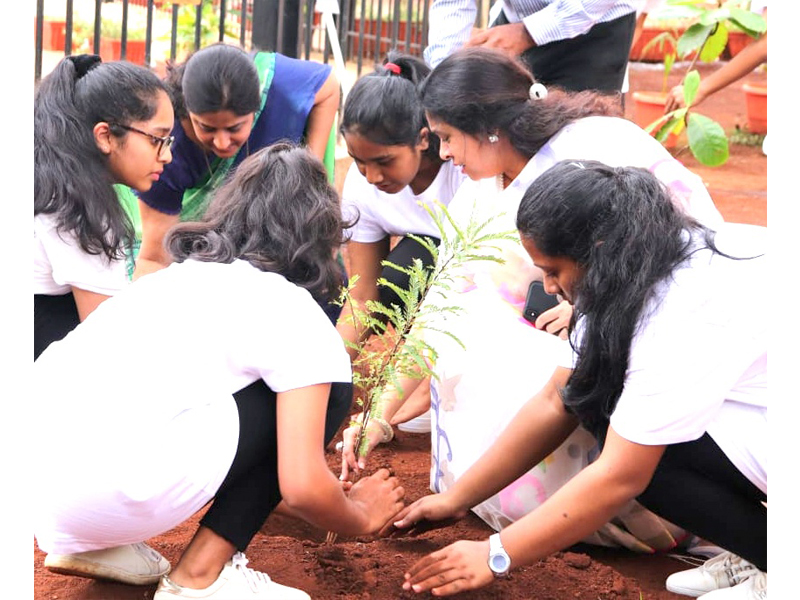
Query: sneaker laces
x=760 y=585
x=737 y=569
x=147 y=551
x=256 y=580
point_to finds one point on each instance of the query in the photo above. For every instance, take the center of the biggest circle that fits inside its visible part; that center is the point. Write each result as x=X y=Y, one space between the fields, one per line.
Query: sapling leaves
x=707 y=140
x=401 y=350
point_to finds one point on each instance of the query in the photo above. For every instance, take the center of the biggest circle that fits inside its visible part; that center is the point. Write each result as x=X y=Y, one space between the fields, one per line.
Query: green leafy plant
x=704 y=40
x=209 y=27
x=402 y=351
x=666 y=42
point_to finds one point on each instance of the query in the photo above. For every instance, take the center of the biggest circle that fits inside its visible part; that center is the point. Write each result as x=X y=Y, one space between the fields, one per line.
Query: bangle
x=386 y=429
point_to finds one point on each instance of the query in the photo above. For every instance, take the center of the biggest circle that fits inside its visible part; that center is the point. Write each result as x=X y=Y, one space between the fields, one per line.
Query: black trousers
x=698 y=488
x=250 y=491
x=53 y=318
x=403 y=255
x=595 y=60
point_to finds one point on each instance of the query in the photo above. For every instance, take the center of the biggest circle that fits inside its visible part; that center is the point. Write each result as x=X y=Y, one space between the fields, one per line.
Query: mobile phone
x=537 y=301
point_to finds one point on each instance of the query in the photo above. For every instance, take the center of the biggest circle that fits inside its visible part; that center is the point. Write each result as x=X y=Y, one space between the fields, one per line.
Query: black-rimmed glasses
x=162 y=142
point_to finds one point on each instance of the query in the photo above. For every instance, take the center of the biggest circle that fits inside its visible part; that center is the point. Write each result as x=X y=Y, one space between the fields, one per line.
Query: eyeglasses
x=159 y=142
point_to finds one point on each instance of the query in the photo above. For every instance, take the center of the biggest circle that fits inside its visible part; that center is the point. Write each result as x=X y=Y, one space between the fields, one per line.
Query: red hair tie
x=392 y=67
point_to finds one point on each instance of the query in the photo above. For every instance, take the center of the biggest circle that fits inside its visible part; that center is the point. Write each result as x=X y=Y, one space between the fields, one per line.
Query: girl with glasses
x=95 y=125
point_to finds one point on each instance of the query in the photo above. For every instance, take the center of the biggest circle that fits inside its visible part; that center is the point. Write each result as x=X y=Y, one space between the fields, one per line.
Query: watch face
x=499 y=563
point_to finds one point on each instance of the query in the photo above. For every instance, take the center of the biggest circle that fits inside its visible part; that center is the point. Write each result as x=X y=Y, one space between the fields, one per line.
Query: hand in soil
x=436 y=507
x=380 y=496
x=352 y=465
x=458 y=567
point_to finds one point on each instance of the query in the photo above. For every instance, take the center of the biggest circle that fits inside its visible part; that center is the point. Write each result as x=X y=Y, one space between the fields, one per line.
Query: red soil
x=294 y=553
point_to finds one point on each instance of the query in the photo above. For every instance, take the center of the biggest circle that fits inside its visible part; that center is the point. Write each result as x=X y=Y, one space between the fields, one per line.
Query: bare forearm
x=567 y=517
x=535 y=431
x=322 y=116
x=743 y=63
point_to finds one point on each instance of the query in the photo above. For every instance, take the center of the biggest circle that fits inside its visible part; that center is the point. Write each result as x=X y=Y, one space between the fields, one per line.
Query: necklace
x=211 y=171
x=501 y=182
x=208 y=165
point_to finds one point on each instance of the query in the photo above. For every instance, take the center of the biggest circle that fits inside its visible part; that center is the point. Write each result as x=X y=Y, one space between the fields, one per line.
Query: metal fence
x=149 y=31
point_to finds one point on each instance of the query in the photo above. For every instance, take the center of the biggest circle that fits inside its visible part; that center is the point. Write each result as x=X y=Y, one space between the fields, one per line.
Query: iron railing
x=150 y=31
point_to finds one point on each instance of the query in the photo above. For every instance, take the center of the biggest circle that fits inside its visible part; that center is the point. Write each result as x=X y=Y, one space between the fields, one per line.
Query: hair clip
x=537 y=91
x=392 y=67
x=84 y=63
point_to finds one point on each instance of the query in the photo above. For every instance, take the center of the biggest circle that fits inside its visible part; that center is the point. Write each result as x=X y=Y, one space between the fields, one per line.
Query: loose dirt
x=294 y=553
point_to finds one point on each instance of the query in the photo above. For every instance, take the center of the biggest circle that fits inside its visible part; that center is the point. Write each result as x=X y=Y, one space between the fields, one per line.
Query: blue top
x=290 y=99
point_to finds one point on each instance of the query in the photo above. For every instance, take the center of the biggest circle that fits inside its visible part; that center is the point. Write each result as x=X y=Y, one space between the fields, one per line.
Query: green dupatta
x=196 y=199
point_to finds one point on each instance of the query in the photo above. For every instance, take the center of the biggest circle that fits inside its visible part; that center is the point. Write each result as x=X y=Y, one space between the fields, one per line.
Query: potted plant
x=54 y=29
x=111 y=41
x=648 y=106
x=756 y=97
x=704 y=39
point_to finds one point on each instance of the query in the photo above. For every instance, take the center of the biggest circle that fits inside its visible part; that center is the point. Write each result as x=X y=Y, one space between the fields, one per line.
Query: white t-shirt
x=139 y=397
x=383 y=214
x=621 y=143
x=698 y=363
x=505 y=360
x=59 y=263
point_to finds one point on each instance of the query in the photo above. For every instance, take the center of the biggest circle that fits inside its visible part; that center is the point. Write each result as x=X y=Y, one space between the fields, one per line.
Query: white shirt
x=381 y=214
x=141 y=394
x=505 y=360
x=698 y=364
x=547 y=21
x=619 y=142
x=59 y=264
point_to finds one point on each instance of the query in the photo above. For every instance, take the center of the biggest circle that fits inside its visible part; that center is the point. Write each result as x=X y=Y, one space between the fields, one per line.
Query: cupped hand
x=674 y=99
x=513 y=38
x=556 y=320
x=435 y=507
x=380 y=496
x=352 y=464
x=460 y=566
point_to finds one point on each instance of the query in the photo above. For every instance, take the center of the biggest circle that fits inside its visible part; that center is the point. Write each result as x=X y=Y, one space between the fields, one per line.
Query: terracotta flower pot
x=738 y=41
x=648 y=107
x=53 y=34
x=756 y=96
x=112 y=50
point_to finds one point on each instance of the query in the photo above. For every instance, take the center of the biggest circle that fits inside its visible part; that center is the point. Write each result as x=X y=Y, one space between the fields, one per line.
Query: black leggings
x=595 y=60
x=698 y=488
x=403 y=255
x=53 y=318
x=250 y=491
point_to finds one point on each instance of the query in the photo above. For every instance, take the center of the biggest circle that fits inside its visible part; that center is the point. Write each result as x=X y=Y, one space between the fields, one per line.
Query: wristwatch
x=499 y=561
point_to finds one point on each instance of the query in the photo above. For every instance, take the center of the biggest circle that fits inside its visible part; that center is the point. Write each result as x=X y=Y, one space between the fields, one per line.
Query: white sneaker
x=723 y=571
x=236 y=582
x=754 y=588
x=136 y=564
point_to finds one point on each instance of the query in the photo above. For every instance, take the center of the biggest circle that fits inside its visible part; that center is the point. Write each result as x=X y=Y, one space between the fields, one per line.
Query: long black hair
x=279 y=213
x=481 y=91
x=71 y=176
x=626 y=235
x=217 y=77
x=384 y=106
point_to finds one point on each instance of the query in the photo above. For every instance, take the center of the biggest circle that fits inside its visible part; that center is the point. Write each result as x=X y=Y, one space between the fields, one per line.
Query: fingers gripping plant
x=704 y=40
x=402 y=351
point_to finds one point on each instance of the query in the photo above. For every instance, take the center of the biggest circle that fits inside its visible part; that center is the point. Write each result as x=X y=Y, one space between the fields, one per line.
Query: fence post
x=266 y=34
